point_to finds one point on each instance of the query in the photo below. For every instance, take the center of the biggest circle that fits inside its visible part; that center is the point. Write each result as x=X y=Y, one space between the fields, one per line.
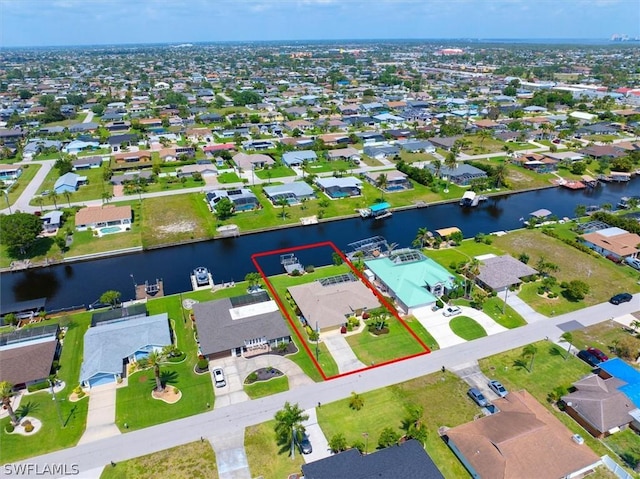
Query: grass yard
x=509 y=319
x=195 y=460
x=324 y=166
x=92 y=190
x=626 y=444
x=422 y=333
x=444 y=402
x=602 y=275
x=603 y=336
x=134 y=404
x=53 y=436
x=519 y=178
x=479 y=145
x=176 y=218
x=372 y=349
x=467 y=328
x=266 y=459
x=228 y=177
x=275 y=172
x=16 y=189
x=261 y=389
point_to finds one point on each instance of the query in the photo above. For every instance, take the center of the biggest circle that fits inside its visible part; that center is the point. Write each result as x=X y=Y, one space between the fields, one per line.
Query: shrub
x=309 y=268
x=39 y=386
x=388 y=437
x=359 y=445
x=252 y=378
x=9 y=428
x=81 y=394
x=338 y=443
x=202 y=364
x=356 y=402
x=28 y=427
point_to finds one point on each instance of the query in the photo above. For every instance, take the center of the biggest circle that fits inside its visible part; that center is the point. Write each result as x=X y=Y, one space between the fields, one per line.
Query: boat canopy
x=379 y=207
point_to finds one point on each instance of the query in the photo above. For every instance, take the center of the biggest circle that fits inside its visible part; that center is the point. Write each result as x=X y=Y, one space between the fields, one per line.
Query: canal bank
x=229 y=258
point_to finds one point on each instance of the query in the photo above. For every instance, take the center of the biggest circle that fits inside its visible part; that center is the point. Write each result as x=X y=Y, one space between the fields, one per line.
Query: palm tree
x=155 y=359
x=567 y=338
x=500 y=174
x=529 y=351
x=507 y=149
x=472 y=270
x=284 y=203
x=6 y=393
x=423 y=235
x=39 y=201
x=451 y=162
x=67 y=195
x=54 y=196
x=382 y=182
x=580 y=210
x=437 y=167
x=289 y=424
x=106 y=197
x=483 y=135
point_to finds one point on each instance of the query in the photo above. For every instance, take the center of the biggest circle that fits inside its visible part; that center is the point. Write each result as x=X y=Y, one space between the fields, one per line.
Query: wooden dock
x=150 y=291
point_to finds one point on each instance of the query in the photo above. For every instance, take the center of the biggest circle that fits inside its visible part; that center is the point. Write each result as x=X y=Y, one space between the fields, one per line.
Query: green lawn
x=509 y=319
x=444 y=402
x=267 y=388
x=228 y=177
x=603 y=336
x=422 y=333
x=372 y=349
x=134 y=404
x=266 y=459
x=28 y=172
x=172 y=183
x=602 y=275
x=53 y=435
x=91 y=191
x=275 y=172
x=467 y=328
x=176 y=218
x=626 y=444
x=324 y=166
x=195 y=460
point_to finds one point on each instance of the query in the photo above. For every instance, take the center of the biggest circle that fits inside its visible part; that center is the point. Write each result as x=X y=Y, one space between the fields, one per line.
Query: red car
x=598 y=354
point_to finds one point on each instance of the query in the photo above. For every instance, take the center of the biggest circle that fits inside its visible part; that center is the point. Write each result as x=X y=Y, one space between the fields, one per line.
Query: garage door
x=101 y=379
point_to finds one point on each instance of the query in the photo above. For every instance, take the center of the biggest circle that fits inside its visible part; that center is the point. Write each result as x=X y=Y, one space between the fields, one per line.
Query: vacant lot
x=603 y=276
x=195 y=460
x=177 y=218
x=265 y=457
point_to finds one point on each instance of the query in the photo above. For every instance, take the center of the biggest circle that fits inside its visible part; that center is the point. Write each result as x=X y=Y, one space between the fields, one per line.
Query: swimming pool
x=109 y=229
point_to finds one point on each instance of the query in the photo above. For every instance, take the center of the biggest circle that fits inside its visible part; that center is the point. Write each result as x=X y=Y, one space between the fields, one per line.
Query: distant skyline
x=94 y=22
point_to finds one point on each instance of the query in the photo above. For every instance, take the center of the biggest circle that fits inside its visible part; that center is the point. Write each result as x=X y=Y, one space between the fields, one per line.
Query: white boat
x=201 y=278
x=469 y=199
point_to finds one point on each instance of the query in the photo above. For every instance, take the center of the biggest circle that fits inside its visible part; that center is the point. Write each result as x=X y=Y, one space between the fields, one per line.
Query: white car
x=451 y=310
x=218 y=377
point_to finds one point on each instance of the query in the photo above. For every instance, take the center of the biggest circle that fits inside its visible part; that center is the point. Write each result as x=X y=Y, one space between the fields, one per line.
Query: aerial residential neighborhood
x=249 y=257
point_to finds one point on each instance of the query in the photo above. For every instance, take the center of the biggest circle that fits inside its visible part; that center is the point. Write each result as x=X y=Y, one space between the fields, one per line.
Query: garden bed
x=263 y=374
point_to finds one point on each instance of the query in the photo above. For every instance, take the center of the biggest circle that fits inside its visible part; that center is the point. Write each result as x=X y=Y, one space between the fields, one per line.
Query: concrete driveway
x=231 y=457
x=101 y=417
x=471 y=374
x=341 y=352
x=319 y=443
x=237 y=369
x=438 y=325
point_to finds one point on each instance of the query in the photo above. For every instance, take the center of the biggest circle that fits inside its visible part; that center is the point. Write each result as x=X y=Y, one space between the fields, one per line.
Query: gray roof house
x=108 y=348
x=462 y=175
x=501 y=272
x=296 y=158
x=381 y=151
x=407 y=460
x=68 y=182
x=51 y=221
x=413 y=146
x=240 y=325
x=243 y=199
x=251 y=161
x=293 y=192
x=87 y=162
x=340 y=187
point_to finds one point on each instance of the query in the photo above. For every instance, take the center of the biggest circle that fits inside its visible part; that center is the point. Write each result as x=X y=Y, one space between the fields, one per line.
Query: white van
x=633 y=262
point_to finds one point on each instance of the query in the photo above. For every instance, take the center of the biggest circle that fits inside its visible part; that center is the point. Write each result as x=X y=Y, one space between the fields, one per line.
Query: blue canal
x=230 y=259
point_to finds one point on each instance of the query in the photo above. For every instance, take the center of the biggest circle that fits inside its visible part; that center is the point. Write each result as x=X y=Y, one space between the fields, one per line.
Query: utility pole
x=317 y=341
x=57 y=403
x=506 y=292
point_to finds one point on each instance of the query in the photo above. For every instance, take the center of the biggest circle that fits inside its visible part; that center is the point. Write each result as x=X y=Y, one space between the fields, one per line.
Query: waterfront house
x=93 y=217
x=395 y=180
x=336 y=188
x=243 y=199
x=501 y=272
x=51 y=221
x=108 y=348
x=523 y=439
x=410 y=278
x=536 y=162
x=26 y=355
x=463 y=175
x=69 y=182
x=614 y=243
x=240 y=326
x=328 y=302
x=293 y=192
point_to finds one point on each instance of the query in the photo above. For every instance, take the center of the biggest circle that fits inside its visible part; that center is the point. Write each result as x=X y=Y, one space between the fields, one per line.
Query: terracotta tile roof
x=102 y=214
x=624 y=244
x=523 y=440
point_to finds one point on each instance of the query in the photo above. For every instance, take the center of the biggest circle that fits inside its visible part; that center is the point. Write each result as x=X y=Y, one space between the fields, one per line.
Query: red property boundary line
x=383 y=301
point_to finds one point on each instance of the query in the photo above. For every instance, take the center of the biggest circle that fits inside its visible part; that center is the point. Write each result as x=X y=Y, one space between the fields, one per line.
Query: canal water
x=230 y=259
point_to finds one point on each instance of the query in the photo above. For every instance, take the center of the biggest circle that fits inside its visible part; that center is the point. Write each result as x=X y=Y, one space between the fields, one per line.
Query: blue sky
x=81 y=22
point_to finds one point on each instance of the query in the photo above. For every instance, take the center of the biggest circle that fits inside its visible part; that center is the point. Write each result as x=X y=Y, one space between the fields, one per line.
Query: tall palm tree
x=500 y=174
x=283 y=203
x=437 y=167
x=529 y=351
x=567 y=337
x=382 y=182
x=450 y=161
x=106 y=197
x=54 y=196
x=6 y=393
x=67 y=195
x=39 y=201
x=483 y=135
x=154 y=360
x=289 y=424
x=471 y=270
x=423 y=235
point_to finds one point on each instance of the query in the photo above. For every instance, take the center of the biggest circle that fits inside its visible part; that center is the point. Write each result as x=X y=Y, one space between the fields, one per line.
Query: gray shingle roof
x=106 y=346
x=503 y=271
x=218 y=331
x=298 y=188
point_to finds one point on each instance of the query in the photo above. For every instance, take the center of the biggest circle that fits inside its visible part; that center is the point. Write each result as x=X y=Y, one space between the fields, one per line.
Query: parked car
x=498 y=388
x=598 y=354
x=478 y=397
x=589 y=358
x=304 y=444
x=218 y=378
x=451 y=310
x=621 y=298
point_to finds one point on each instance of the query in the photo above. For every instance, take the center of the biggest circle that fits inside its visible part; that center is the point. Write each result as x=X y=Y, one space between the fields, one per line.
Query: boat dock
x=309 y=220
x=149 y=290
x=198 y=282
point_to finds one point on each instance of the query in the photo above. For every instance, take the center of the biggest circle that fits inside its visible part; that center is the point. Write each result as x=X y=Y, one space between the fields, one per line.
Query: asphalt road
x=231 y=419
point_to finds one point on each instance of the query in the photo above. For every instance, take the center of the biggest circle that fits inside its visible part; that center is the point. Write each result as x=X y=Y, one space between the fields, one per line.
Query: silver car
x=498 y=388
x=218 y=378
